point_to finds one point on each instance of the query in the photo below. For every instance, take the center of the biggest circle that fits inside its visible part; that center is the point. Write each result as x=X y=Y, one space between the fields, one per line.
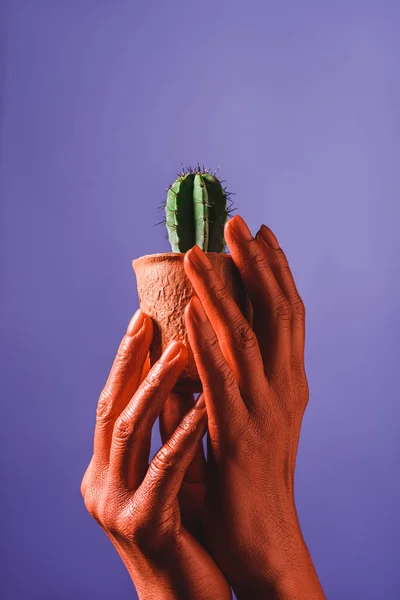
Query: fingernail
x=198 y=258
x=239 y=228
x=135 y=324
x=172 y=351
x=197 y=310
x=200 y=402
x=269 y=237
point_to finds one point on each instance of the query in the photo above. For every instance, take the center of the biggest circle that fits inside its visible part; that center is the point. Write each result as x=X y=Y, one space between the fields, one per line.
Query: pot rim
x=165 y=256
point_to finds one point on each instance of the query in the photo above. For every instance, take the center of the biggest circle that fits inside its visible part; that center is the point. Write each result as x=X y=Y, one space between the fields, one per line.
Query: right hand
x=136 y=503
x=256 y=391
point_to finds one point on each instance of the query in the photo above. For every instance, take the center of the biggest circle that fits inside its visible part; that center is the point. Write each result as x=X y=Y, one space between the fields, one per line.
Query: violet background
x=101 y=102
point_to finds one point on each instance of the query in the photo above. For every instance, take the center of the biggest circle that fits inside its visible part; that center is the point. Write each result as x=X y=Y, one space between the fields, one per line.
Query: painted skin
x=238 y=507
x=136 y=503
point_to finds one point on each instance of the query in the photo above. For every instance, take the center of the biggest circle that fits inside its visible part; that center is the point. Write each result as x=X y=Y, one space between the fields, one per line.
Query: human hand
x=136 y=503
x=256 y=391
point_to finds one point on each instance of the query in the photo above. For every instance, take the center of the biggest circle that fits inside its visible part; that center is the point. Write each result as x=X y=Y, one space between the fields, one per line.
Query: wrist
x=158 y=578
x=282 y=569
x=175 y=573
x=154 y=578
x=290 y=585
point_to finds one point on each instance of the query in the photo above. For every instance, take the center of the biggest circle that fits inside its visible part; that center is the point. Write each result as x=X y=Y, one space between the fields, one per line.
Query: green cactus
x=196 y=211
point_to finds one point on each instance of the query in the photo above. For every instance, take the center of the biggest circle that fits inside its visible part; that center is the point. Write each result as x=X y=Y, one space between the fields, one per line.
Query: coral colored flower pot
x=164 y=290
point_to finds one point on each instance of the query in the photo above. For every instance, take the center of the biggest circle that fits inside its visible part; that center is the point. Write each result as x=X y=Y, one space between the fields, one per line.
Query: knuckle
x=123 y=428
x=257 y=257
x=122 y=359
x=298 y=308
x=282 y=261
x=162 y=462
x=282 y=309
x=210 y=342
x=220 y=290
x=186 y=427
x=245 y=338
x=104 y=406
x=153 y=379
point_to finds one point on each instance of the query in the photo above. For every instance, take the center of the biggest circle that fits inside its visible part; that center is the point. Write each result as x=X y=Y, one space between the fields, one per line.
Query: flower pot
x=164 y=290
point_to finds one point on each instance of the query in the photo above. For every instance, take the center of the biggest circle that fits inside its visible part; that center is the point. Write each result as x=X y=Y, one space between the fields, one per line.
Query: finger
x=122 y=382
x=225 y=407
x=164 y=477
x=280 y=267
x=175 y=408
x=132 y=430
x=192 y=491
x=270 y=305
x=236 y=338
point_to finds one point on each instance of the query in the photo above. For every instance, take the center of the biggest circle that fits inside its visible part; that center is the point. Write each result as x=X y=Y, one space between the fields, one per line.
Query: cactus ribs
x=196 y=211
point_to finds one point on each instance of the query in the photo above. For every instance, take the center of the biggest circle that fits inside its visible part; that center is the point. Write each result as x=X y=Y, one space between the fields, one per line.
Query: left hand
x=136 y=502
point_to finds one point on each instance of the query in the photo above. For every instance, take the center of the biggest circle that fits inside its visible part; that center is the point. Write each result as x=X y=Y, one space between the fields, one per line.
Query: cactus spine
x=196 y=211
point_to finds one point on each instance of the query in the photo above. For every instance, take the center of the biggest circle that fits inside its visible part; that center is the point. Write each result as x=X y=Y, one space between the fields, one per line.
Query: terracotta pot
x=164 y=290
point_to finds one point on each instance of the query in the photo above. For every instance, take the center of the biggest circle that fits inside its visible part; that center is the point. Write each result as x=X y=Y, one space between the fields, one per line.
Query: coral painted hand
x=171 y=520
x=134 y=502
x=256 y=391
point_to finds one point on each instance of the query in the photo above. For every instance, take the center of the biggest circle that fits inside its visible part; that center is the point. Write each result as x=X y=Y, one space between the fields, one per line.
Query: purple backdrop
x=101 y=102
